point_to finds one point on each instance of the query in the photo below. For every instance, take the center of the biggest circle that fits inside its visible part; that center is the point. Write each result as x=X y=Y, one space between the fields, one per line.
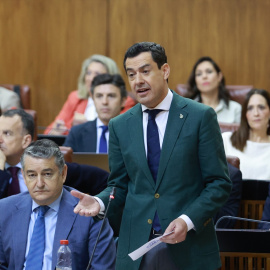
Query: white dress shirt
x=90 y=112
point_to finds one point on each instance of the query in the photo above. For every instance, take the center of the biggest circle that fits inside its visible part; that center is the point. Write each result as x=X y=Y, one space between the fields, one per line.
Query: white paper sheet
x=136 y=254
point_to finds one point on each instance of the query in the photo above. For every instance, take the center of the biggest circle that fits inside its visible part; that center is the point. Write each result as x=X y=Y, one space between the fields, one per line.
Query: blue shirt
x=50 y=225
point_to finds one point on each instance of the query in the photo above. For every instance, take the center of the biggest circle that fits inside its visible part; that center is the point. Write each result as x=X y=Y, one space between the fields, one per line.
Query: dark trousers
x=158 y=258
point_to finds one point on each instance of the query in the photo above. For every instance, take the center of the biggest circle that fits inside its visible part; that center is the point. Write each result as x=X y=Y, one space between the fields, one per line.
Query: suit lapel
x=135 y=127
x=65 y=220
x=90 y=136
x=176 y=119
x=23 y=209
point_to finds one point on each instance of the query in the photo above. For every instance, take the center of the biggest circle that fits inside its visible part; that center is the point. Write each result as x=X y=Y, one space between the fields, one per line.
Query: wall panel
x=43 y=43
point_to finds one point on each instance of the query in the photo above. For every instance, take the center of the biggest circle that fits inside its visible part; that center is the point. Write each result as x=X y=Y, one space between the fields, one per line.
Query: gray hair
x=107 y=62
x=44 y=149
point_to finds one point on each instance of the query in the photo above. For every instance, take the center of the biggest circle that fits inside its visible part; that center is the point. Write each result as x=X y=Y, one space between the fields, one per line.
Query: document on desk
x=136 y=254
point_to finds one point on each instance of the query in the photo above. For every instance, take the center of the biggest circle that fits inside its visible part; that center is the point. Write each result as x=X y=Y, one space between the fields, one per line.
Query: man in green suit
x=183 y=192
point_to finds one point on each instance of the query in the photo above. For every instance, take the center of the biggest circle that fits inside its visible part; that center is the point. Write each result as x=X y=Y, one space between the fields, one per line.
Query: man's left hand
x=180 y=229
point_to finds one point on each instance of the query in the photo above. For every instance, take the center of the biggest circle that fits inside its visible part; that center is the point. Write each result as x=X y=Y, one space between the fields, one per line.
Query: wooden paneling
x=43 y=43
x=233 y=33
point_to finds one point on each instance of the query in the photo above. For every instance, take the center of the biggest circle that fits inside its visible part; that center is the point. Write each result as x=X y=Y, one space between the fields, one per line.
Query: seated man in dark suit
x=22 y=218
x=109 y=96
x=231 y=207
x=16 y=133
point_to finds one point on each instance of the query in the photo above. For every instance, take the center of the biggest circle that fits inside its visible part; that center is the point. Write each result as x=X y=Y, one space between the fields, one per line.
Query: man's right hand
x=87 y=205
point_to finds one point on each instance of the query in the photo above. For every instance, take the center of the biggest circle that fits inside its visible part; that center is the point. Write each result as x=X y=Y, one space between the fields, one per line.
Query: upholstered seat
x=23 y=91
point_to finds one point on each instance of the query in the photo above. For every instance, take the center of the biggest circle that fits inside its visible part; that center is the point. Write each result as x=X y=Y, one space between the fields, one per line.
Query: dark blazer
x=80 y=231
x=83 y=137
x=85 y=178
x=231 y=207
x=4 y=180
x=192 y=179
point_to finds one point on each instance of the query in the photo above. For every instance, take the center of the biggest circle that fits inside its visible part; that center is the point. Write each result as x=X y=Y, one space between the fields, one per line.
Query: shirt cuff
x=188 y=221
x=102 y=206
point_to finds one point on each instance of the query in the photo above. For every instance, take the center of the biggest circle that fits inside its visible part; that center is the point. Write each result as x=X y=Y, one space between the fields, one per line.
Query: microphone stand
x=110 y=199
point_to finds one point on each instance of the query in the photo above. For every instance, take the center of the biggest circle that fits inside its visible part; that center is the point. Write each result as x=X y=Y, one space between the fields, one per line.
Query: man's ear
x=27 y=139
x=166 y=71
x=64 y=173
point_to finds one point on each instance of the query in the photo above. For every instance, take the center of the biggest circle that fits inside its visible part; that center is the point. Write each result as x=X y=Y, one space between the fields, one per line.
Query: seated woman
x=79 y=106
x=206 y=84
x=251 y=142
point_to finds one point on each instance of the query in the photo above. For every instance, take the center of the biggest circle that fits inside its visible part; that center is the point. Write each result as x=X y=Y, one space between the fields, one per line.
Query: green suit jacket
x=192 y=180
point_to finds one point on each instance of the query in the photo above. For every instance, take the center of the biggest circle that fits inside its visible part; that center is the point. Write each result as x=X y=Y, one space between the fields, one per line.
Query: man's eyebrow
x=141 y=67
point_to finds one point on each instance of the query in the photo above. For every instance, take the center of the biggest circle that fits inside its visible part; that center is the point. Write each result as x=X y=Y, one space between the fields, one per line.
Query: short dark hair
x=44 y=149
x=157 y=52
x=26 y=118
x=193 y=91
x=115 y=80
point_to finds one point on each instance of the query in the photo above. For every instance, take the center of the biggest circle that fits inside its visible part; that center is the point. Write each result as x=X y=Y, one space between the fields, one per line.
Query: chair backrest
x=67 y=152
x=233 y=160
x=244 y=261
x=237 y=92
x=228 y=127
x=23 y=91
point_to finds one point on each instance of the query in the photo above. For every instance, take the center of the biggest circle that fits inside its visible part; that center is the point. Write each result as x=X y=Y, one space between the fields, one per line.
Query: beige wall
x=43 y=43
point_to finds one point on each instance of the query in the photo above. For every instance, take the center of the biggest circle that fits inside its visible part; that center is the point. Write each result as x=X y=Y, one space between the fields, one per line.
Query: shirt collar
x=54 y=205
x=19 y=165
x=99 y=123
x=221 y=105
x=164 y=105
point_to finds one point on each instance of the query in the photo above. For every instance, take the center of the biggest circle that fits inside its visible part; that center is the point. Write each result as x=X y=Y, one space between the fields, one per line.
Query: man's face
x=108 y=102
x=148 y=82
x=13 y=140
x=43 y=179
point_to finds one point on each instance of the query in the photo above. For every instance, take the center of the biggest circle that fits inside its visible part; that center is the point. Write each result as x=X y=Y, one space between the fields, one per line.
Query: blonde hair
x=107 y=62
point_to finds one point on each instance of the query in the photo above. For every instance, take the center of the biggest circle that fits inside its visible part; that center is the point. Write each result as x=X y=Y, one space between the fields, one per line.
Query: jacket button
x=149 y=221
x=156 y=195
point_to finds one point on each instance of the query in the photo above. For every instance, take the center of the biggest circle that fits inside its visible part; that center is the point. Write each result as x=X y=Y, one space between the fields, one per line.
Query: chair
x=244 y=261
x=237 y=92
x=233 y=160
x=67 y=152
x=23 y=91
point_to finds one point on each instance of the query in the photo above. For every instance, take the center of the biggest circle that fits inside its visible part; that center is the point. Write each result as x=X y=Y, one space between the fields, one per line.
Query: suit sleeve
x=105 y=253
x=88 y=179
x=71 y=140
x=214 y=172
x=231 y=207
x=4 y=179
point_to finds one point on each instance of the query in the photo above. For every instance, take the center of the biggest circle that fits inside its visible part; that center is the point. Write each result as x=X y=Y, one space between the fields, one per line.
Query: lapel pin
x=181 y=115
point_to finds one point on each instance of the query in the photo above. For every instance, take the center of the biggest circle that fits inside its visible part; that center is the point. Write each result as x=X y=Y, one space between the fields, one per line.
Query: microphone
x=239 y=218
x=111 y=197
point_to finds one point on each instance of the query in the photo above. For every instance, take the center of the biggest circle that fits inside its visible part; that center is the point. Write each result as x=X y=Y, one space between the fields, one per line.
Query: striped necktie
x=34 y=260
